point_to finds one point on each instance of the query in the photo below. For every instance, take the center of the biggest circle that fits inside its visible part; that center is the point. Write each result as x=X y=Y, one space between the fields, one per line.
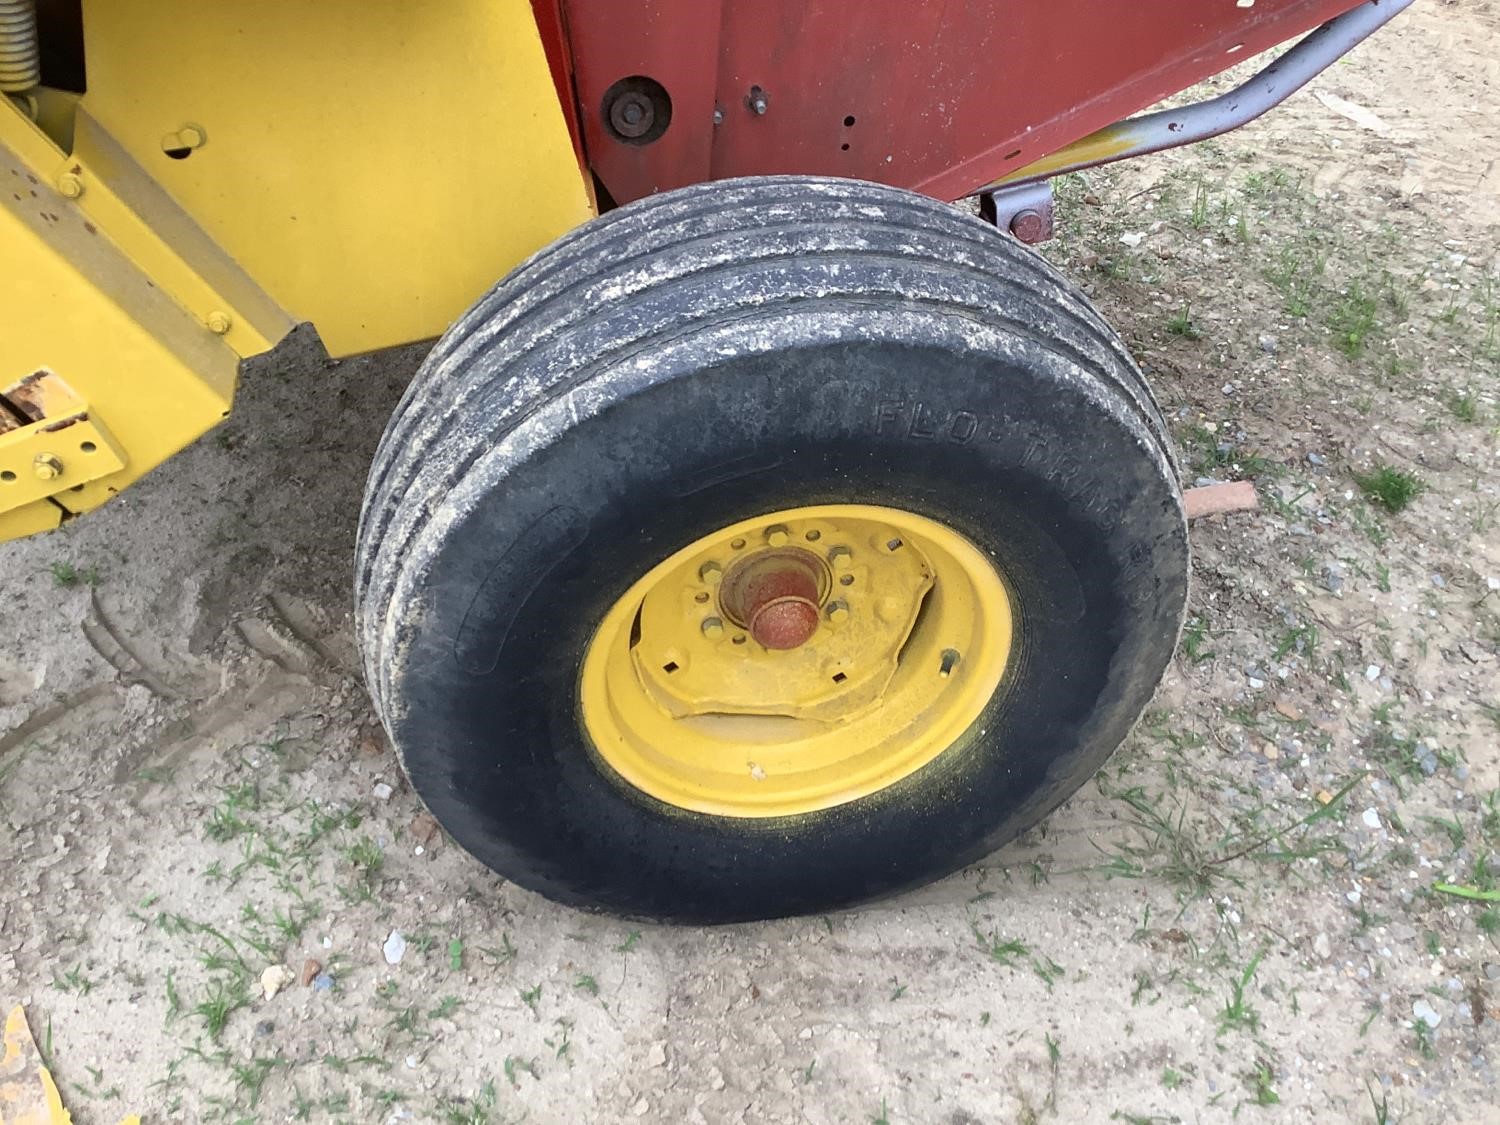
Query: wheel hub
x=800 y=618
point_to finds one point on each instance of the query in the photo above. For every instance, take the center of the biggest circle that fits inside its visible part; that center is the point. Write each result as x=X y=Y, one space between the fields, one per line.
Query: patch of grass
x=883 y=1117
x=531 y=997
x=476 y=1109
x=73 y=981
x=1352 y=321
x=226 y=995
x=1172 y=1079
x=1393 y=489
x=1237 y=1013
x=1181 y=324
x=1423 y=1033
x=67 y=576
x=1262 y=1093
x=1464 y=405
x=1168 y=845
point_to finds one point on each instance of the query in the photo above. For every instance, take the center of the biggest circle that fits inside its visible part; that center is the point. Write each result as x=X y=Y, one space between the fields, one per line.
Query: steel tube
x=1170 y=128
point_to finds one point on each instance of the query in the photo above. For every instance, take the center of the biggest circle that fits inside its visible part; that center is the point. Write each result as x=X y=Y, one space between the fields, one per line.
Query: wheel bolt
x=777 y=537
x=711 y=572
x=713 y=629
x=838 y=613
x=840 y=558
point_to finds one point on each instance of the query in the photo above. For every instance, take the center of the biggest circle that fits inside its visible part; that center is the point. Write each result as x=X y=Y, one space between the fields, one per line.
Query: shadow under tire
x=707 y=357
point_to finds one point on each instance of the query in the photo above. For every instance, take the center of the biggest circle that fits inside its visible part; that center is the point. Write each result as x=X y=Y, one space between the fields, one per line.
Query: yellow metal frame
x=236 y=168
x=789 y=754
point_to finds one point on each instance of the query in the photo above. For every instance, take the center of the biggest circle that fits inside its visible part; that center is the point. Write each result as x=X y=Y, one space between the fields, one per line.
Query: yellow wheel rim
x=796 y=661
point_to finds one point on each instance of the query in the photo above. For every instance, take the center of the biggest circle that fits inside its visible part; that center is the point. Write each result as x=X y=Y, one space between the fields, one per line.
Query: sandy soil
x=1237 y=918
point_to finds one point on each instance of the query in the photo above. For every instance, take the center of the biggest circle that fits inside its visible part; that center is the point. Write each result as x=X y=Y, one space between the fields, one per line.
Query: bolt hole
x=7 y=476
x=88 y=447
x=700 y=598
x=671 y=666
x=738 y=544
x=178 y=152
x=739 y=638
x=948 y=662
x=814 y=535
x=1013 y=155
x=894 y=545
x=844 y=147
x=846 y=580
x=839 y=677
x=849 y=122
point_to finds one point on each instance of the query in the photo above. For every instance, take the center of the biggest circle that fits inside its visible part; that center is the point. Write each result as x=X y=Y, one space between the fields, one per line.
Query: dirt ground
x=1240 y=917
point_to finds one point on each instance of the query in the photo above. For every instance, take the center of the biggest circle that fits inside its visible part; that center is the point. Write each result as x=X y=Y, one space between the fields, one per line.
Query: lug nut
x=777 y=537
x=70 y=185
x=838 y=613
x=713 y=629
x=711 y=572
x=840 y=558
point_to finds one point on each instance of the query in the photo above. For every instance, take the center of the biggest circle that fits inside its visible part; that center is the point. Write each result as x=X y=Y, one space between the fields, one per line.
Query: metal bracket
x=49 y=442
x=1026 y=211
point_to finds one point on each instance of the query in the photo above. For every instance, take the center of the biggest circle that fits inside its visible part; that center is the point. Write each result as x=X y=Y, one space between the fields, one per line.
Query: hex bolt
x=47 y=466
x=70 y=185
x=718 y=115
x=713 y=629
x=838 y=613
x=757 y=101
x=778 y=536
x=219 y=322
x=711 y=572
x=840 y=558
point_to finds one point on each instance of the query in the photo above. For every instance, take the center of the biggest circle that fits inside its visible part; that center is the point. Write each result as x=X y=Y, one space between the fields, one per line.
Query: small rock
x=1091 y=199
x=1270 y=752
x=1322 y=947
x=382 y=791
x=1133 y=238
x=1255 y=684
x=1333 y=577
x=1439 y=581
x=1425 y=1012
x=1492 y=970
x=1323 y=796
x=310 y=970
x=1426 y=759
x=1371 y=819
x=264 y=1029
x=641 y=1108
x=1268 y=343
x=394 y=948
x=1288 y=710
x=657 y=1055
x=322 y=983
x=273 y=980
x=1316 y=458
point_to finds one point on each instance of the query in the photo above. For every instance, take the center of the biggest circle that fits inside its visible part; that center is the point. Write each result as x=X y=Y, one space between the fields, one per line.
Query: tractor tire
x=855 y=378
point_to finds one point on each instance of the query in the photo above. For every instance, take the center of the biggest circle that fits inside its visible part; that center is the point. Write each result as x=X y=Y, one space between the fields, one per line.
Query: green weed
x=1393 y=489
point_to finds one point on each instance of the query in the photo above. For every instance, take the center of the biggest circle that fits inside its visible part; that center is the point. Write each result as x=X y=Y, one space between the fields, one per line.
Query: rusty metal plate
x=941 y=98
